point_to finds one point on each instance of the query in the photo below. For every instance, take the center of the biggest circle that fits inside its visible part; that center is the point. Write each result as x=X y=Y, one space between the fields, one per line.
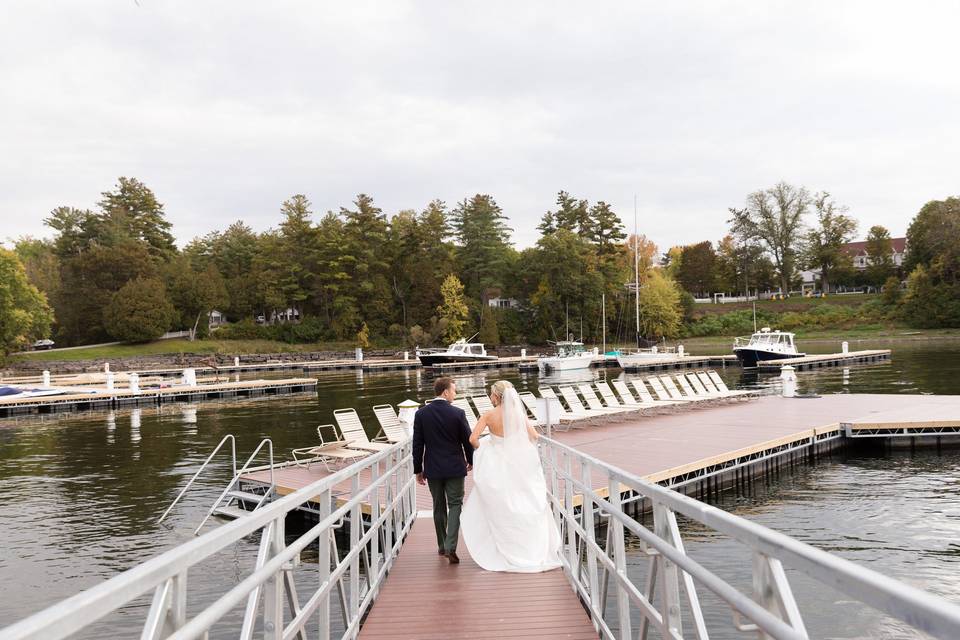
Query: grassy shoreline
x=259 y=347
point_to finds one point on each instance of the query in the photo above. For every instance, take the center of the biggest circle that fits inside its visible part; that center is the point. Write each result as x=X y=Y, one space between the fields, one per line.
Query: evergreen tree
x=366 y=262
x=572 y=214
x=453 y=310
x=484 y=243
x=132 y=211
x=140 y=311
x=489 y=331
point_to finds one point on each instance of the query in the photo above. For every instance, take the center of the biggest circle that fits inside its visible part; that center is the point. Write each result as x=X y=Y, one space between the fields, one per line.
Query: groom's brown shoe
x=452 y=557
x=442 y=552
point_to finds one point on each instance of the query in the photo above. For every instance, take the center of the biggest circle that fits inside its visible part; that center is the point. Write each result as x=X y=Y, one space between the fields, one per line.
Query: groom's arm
x=465 y=438
x=418 y=447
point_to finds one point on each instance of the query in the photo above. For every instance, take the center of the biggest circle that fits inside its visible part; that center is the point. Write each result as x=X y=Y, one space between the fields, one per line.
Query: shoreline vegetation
x=363 y=277
x=241 y=348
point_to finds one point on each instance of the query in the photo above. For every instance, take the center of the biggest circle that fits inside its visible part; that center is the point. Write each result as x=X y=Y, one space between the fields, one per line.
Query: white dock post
x=407 y=410
x=523 y=353
x=46 y=378
x=106 y=367
x=845 y=347
x=190 y=377
x=406 y=355
x=134 y=383
x=680 y=350
x=236 y=361
x=789 y=379
x=109 y=381
x=358 y=354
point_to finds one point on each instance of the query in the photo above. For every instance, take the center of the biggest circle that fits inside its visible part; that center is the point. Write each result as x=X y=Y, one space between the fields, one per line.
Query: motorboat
x=459 y=351
x=571 y=354
x=765 y=344
x=639 y=357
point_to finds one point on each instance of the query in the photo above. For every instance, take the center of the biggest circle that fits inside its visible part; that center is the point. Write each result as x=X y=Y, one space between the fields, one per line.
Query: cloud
x=227 y=108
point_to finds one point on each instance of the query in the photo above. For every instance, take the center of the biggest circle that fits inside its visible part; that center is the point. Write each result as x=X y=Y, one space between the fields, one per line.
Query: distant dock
x=108 y=399
x=827 y=360
x=682 y=362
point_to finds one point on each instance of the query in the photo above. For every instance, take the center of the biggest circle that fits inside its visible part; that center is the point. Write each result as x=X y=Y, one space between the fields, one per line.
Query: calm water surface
x=82 y=493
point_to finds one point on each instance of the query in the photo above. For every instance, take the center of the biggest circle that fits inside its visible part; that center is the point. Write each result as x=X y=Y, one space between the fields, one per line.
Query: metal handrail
x=771 y=609
x=391 y=497
x=233 y=459
x=233 y=481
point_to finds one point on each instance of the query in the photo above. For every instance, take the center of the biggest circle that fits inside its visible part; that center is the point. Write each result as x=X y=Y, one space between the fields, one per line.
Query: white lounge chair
x=573 y=401
x=722 y=386
x=352 y=429
x=463 y=403
x=390 y=424
x=691 y=391
x=627 y=401
x=644 y=394
x=547 y=392
x=329 y=453
x=671 y=387
x=482 y=403
x=530 y=402
x=593 y=401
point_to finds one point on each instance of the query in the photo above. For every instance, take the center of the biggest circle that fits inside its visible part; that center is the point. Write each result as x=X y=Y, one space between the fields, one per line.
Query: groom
x=442 y=430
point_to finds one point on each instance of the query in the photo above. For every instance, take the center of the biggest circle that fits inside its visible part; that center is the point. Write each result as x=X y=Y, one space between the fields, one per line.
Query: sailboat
x=640 y=356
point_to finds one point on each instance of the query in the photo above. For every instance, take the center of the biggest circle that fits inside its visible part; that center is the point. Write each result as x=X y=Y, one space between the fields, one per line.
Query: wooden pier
x=827 y=360
x=104 y=399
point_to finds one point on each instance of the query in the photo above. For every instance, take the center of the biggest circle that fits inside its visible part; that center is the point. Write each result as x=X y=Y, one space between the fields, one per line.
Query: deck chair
x=688 y=391
x=352 y=429
x=703 y=390
x=390 y=424
x=722 y=386
x=644 y=394
x=573 y=401
x=530 y=402
x=661 y=391
x=330 y=453
x=463 y=403
x=482 y=403
x=671 y=388
x=547 y=392
x=594 y=403
x=628 y=401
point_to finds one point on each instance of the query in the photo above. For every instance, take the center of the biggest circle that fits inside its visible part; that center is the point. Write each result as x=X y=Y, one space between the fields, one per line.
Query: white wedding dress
x=506 y=522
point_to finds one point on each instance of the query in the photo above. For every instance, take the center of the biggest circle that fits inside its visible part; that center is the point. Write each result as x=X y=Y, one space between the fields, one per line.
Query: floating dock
x=707 y=449
x=682 y=362
x=827 y=360
x=106 y=399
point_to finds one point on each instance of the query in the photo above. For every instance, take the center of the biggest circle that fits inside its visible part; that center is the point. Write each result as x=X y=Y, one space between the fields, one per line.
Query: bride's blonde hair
x=498 y=387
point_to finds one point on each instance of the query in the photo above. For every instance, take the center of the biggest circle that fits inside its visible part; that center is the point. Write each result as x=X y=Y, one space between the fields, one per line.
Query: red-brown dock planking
x=425 y=598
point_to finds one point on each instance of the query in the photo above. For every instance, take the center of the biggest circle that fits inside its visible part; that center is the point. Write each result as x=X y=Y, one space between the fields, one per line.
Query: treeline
x=416 y=277
x=426 y=276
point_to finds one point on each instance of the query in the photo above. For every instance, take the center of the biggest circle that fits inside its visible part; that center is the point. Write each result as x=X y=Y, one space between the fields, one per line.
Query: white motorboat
x=571 y=354
x=459 y=351
x=765 y=344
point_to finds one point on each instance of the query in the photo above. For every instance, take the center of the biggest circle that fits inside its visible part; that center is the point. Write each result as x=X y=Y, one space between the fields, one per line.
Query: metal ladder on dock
x=232 y=500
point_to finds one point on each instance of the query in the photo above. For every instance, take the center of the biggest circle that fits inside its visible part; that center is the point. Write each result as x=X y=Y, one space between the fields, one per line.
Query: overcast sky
x=227 y=108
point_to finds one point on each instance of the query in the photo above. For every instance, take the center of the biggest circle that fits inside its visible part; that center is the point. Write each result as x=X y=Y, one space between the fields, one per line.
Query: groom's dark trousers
x=442 y=451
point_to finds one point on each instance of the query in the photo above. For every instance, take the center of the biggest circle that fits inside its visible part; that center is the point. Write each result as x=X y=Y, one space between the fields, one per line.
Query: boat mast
x=636 y=269
x=603 y=321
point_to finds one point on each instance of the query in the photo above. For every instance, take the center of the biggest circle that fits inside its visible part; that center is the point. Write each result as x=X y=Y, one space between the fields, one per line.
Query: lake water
x=82 y=493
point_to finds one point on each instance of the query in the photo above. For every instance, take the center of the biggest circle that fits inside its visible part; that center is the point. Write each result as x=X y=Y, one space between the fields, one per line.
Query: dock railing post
x=789 y=380
x=46 y=378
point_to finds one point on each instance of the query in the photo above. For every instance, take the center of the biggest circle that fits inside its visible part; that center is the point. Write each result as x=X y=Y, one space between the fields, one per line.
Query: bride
x=506 y=522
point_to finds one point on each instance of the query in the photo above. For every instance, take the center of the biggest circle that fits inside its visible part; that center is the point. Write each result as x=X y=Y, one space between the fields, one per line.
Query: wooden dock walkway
x=103 y=398
x=427 y=598
x=827 y=360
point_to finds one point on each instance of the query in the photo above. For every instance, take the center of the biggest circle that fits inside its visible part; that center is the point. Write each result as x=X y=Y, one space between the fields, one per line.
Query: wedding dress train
x=506 y=522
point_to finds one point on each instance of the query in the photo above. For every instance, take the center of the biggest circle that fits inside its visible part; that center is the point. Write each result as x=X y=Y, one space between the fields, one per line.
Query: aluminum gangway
x=617 y=598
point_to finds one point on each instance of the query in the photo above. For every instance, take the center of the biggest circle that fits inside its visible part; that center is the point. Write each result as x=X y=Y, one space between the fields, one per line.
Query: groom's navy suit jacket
x=442 y=429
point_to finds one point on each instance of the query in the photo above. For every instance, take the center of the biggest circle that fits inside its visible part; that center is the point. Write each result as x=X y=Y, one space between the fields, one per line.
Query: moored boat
x=459 y=351
x=571 y=355
x=763 y=345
